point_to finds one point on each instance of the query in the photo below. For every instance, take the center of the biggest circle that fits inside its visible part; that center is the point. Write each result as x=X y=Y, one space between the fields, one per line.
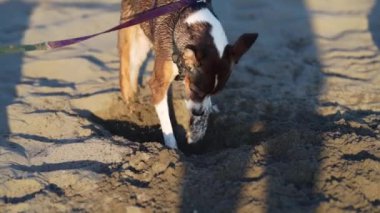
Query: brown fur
x=125 y=37
x=160 y=35
x=194 y=43
x=162 y=77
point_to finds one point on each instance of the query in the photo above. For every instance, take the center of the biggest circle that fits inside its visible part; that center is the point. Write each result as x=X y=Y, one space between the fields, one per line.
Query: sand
x=298 y=128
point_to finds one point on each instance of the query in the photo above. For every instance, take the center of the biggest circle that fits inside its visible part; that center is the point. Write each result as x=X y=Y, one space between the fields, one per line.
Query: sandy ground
x=298 y=129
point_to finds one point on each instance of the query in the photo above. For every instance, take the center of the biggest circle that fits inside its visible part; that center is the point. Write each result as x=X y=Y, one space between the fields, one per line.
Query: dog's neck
x=204 y=15
x=198 y=27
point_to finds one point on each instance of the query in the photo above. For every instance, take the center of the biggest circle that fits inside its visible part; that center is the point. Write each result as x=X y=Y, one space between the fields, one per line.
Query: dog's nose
x=197 y=112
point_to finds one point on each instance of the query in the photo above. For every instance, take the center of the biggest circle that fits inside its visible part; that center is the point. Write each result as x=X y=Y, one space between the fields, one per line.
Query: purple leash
x=136 y=19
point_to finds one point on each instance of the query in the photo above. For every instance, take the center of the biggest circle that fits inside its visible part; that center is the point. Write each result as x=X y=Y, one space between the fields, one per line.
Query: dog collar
x=182 y=68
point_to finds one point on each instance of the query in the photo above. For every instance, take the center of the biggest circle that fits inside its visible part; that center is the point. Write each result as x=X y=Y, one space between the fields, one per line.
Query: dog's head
x=207 y=73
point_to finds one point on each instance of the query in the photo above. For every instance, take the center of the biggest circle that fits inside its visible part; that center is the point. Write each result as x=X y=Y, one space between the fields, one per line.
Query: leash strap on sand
x=134 y=20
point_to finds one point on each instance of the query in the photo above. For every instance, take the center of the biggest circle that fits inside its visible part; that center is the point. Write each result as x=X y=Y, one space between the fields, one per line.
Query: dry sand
x=298 y=129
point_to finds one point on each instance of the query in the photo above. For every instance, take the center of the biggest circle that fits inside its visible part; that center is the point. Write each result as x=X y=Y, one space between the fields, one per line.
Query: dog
x=190 y=44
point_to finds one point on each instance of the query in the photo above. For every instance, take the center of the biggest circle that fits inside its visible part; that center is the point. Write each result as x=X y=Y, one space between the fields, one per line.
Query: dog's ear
x=241 y=46
x=234 y=53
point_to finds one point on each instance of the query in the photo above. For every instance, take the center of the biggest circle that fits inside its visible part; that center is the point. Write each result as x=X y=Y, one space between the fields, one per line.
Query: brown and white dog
x=191 y=41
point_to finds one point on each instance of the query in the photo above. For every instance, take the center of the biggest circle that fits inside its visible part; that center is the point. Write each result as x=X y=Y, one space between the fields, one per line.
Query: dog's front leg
x=159 y=84
x=166 y=126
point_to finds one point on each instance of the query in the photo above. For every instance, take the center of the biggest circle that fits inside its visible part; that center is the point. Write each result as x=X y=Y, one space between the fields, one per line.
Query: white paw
x=170 y=141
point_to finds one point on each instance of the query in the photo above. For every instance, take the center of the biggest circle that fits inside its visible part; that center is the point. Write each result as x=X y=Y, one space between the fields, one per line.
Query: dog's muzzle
x=199 y=109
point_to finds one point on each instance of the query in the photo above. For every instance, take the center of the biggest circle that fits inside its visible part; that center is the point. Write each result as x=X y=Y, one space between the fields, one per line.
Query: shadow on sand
x=279 y=127
x=11 y=32
x=374 y=23
x=290 y=131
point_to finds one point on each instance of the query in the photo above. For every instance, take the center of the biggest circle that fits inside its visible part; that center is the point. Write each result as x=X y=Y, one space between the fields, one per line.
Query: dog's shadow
x=129 y=129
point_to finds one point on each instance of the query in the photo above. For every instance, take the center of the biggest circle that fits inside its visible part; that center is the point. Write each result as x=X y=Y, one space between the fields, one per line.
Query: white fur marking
x=216 y=81
x=162 y=111
x=193 y=105
x=206 y=104
x=217 y=31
